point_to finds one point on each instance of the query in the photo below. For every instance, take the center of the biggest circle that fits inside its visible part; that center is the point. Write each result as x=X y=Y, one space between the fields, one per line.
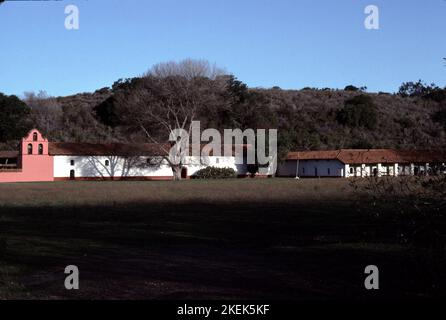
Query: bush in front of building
x=215 y=173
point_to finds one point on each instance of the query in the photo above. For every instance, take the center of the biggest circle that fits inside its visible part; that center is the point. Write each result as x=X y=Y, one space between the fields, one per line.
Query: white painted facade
x=138 y=167
x=335 y=168
x=371 y=170
x=312 y=168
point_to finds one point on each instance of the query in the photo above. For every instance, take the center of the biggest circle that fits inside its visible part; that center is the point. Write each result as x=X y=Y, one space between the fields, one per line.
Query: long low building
x=361 y=163
x=41 y=160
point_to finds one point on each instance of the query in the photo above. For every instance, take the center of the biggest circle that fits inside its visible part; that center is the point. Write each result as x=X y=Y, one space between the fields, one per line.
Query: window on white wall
x=72 y=162
x=107 y=163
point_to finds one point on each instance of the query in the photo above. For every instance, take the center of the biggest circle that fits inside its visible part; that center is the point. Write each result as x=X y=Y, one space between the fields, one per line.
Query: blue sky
x=265 y=43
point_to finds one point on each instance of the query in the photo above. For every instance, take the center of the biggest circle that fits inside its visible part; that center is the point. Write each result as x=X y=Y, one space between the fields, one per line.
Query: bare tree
x=46 y=112
x=163 y=108
x=188 y=68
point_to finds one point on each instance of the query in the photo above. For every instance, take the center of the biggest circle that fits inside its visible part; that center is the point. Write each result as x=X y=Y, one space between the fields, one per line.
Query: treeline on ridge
x=307 y=119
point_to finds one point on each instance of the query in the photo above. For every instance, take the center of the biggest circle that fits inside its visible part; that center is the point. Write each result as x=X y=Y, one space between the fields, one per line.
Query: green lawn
x=272 y=238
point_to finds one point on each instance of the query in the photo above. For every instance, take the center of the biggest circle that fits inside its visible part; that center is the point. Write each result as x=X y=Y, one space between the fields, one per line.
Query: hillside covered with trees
x=307 y=119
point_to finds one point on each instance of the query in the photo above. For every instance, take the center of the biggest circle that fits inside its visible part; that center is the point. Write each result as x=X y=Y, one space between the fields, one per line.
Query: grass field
x=236 y=239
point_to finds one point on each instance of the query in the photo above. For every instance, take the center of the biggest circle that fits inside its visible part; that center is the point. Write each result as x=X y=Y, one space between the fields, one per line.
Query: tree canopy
x=359 y=111
x=422 y=90
x=14 y=118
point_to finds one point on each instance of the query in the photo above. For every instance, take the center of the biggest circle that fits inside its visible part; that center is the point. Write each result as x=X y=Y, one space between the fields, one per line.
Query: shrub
x=215 y=173
x=351 y=88
x=361 y=144
x=440 y=117
x=355 y=89
x=420 y=89
x=405 y=122
x=416 y=205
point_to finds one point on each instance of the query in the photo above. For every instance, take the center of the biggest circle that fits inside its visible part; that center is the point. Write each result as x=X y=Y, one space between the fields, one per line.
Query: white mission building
x=41 y=160
x=127 y=161
x=347 y=163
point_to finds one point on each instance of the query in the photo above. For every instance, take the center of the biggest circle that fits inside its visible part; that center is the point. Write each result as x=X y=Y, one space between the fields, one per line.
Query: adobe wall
x=36 y=165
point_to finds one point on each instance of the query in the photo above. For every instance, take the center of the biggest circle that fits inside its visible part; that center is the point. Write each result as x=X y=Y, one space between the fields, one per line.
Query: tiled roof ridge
x=356 y=156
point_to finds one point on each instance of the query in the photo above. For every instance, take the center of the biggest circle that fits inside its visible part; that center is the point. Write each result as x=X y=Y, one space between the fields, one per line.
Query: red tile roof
x=420 y=156
x=113 y=149
x=370 y=156
x=9 y=154
x=313 y=155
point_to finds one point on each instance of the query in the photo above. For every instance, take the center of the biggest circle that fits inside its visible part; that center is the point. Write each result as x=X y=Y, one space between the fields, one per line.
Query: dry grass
x=121 y=192
x=274 y=238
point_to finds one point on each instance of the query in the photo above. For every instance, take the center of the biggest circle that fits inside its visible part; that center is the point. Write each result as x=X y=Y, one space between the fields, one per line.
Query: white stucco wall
x=95 y=166
x=368 y=170
x=311 y=168
x=353 y=170
x=307 y=168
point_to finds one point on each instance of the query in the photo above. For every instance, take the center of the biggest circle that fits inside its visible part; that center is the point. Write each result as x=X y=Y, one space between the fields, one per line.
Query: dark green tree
x=106 y=111
x=14 y=118
x=355 y=89
x=440 y=117
x=422 y=90
x=413 y=89
x=248 y=108
x=359 y=111
x=351 y=88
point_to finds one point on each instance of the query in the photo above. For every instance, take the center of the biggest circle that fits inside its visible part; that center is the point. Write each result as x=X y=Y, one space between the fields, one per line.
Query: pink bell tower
x=34 y=162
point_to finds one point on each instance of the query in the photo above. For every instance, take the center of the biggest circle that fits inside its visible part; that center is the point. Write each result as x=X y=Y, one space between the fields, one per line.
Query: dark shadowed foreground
x=277 y=238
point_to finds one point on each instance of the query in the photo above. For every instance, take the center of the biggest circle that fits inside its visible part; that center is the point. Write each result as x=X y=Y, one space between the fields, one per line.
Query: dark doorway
x=375 y=172
x=72 y=175
x=184 y=173
x=315 y=172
